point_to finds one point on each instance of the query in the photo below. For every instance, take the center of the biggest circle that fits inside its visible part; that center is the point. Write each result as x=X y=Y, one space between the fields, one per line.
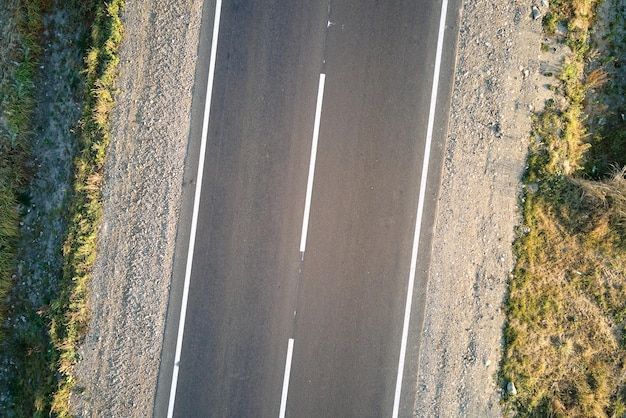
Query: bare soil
x=498 y=83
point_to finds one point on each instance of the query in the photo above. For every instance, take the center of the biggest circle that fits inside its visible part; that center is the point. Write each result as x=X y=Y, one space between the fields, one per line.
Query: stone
x=532 y=187
x=536 y=13
x=510 y=387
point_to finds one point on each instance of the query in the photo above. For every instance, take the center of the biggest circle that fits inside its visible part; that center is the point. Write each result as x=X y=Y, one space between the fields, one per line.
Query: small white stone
x=536 y=13
x=511 y=388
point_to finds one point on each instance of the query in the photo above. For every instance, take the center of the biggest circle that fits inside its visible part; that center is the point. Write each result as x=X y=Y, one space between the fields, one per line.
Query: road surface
x=302 y=250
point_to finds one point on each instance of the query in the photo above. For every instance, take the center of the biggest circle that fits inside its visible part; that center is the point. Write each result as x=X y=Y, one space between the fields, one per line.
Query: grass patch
x=565 y=337
x=565 y=311
x=17 y=89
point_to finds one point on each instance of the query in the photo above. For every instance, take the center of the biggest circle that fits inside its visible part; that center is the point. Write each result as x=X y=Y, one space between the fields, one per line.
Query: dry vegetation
x=69 y=312
x=565 y=343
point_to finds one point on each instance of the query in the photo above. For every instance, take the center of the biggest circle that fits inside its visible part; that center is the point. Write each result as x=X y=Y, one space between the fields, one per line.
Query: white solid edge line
x=420 y=209
x=196 y=207
x=309 y=184
x=283 y=397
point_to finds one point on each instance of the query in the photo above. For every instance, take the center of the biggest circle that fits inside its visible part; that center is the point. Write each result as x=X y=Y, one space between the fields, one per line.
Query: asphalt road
x=342 y=300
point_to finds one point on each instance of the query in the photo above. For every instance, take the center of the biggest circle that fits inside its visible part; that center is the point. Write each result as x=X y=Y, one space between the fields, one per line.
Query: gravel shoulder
x=144 y=178
x=497 y=83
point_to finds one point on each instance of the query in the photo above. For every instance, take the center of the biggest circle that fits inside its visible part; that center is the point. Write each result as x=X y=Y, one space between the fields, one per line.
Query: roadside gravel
x=498 y=82
x=144 y=176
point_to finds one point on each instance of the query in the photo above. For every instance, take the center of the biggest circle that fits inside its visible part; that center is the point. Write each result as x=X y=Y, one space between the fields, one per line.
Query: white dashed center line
x=309 y=185
x=283 y=397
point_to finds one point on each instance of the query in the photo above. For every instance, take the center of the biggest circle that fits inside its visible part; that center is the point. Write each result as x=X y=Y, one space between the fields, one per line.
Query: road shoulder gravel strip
x=142 y=195
x=497 y=85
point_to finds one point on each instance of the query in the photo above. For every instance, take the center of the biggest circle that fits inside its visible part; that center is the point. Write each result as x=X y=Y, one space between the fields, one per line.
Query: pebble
x=511 y=388
x=536 y=13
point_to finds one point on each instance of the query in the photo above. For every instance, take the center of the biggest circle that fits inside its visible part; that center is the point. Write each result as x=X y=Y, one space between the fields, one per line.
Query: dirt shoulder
x=144 y=175
x=497 y=83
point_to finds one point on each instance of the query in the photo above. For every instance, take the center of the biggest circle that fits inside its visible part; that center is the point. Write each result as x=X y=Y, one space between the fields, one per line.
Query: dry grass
x=609 y=199
x=565 y=338
x=596 y=78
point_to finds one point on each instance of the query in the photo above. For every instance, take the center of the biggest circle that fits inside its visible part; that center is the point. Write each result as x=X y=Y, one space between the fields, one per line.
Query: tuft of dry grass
x=609 y=200
x=596 y=78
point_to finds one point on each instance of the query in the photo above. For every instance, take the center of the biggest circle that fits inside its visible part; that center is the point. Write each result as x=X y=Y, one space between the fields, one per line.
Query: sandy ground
x=497 y=83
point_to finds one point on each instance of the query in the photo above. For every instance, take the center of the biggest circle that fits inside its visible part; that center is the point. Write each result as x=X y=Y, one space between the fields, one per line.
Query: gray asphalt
x=249 y=279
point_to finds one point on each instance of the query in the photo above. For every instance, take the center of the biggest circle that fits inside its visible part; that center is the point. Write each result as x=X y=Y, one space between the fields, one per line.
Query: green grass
x=18 y=91
x=565 y=338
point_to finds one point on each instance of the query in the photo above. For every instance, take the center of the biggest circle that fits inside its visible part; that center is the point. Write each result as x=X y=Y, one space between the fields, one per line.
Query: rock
x=532 y=187
x=536 y=13
x=510 y=387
